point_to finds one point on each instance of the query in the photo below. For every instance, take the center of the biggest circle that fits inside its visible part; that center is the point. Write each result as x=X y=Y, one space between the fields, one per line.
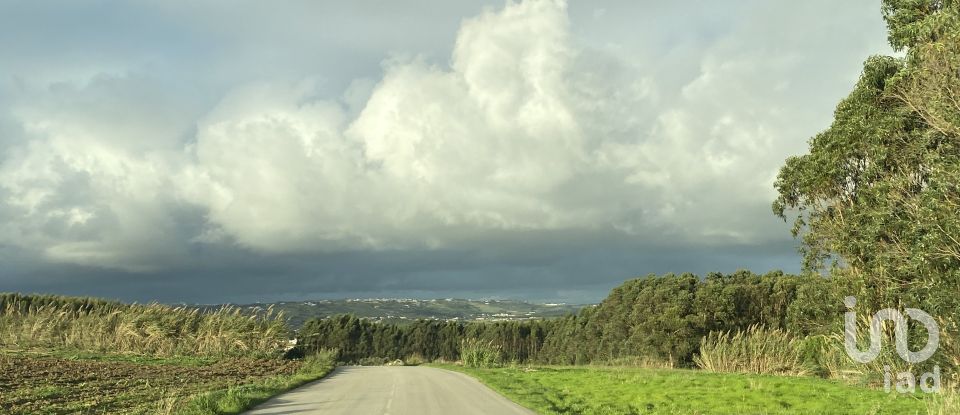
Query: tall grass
x=638 y=362
x=948 y=400
x=755 y=350
x=760 y=350
x=477 y=353
x=949 y=350
x=828 y=355
x=29 y=321
x=827 y=358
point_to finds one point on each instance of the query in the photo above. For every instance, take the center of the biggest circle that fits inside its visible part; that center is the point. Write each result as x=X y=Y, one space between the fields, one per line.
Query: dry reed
x=755 y=350
x=28 y=321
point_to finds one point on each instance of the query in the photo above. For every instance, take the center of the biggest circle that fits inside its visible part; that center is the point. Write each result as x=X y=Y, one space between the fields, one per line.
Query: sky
x=250 y=151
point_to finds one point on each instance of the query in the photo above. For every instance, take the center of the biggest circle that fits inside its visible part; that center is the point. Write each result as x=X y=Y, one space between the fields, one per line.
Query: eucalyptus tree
x=876 y=200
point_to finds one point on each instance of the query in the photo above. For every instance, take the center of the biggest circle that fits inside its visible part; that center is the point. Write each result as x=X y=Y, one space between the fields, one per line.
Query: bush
x=414 y=360
x=827 y=358
x=756 y=350
x=479 y=354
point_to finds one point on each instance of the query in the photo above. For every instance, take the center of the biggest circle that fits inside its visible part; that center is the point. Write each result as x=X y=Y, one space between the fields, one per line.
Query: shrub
x=479 y=354
x=414 y=360
x=755 y=350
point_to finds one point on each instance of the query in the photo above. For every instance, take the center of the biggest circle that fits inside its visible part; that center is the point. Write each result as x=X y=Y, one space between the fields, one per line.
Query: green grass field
x=603 y=390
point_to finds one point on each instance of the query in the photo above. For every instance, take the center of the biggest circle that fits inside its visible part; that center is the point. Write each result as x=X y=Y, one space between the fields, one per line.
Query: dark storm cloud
x=524 y=268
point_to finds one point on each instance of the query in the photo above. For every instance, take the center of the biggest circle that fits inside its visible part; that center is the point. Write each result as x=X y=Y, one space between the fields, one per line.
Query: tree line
x=656 y=317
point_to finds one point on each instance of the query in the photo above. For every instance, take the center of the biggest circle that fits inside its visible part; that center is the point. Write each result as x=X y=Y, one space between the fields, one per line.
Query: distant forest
x=657 y=317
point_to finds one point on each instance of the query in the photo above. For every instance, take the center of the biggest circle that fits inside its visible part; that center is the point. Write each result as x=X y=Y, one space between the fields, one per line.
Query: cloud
x=527 y=131
x=274 y=172
x=495 y=141
x=80 y=187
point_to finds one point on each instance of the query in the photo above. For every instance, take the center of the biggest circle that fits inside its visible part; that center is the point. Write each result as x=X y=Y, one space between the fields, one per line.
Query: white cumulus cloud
x=525 y=128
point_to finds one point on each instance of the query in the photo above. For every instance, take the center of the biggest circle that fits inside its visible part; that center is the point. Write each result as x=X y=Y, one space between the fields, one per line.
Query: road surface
x=392 y=390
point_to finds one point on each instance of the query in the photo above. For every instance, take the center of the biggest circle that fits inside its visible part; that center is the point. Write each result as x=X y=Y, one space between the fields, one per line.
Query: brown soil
x=55 y=385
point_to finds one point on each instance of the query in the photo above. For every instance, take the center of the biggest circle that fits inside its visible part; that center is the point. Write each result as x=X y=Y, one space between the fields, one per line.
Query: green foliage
x=655 y=320
x=878 y=195
x=825 y=356
x=358 y=339
x=913 y=23
x=878 y=191
x=664 y=318
x=480 y=354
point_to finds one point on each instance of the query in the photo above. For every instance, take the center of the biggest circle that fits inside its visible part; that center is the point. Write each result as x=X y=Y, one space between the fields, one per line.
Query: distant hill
x=400 y=310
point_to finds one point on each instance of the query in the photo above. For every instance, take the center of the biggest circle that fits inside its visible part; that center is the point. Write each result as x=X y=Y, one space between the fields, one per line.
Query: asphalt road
x=392 y=390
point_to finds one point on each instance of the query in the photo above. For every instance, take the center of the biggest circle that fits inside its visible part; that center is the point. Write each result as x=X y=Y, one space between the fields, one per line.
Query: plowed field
x=47 y=384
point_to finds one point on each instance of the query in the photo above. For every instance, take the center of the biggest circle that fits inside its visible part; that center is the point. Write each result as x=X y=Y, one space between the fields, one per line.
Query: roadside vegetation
x=755 y=350
x=69 y=355
x=609 y=390
x=154 y=329
x=238 y=398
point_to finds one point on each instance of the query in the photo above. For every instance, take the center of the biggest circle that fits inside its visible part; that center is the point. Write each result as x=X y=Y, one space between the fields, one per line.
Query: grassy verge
x=236 y=399
x=604 y=390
